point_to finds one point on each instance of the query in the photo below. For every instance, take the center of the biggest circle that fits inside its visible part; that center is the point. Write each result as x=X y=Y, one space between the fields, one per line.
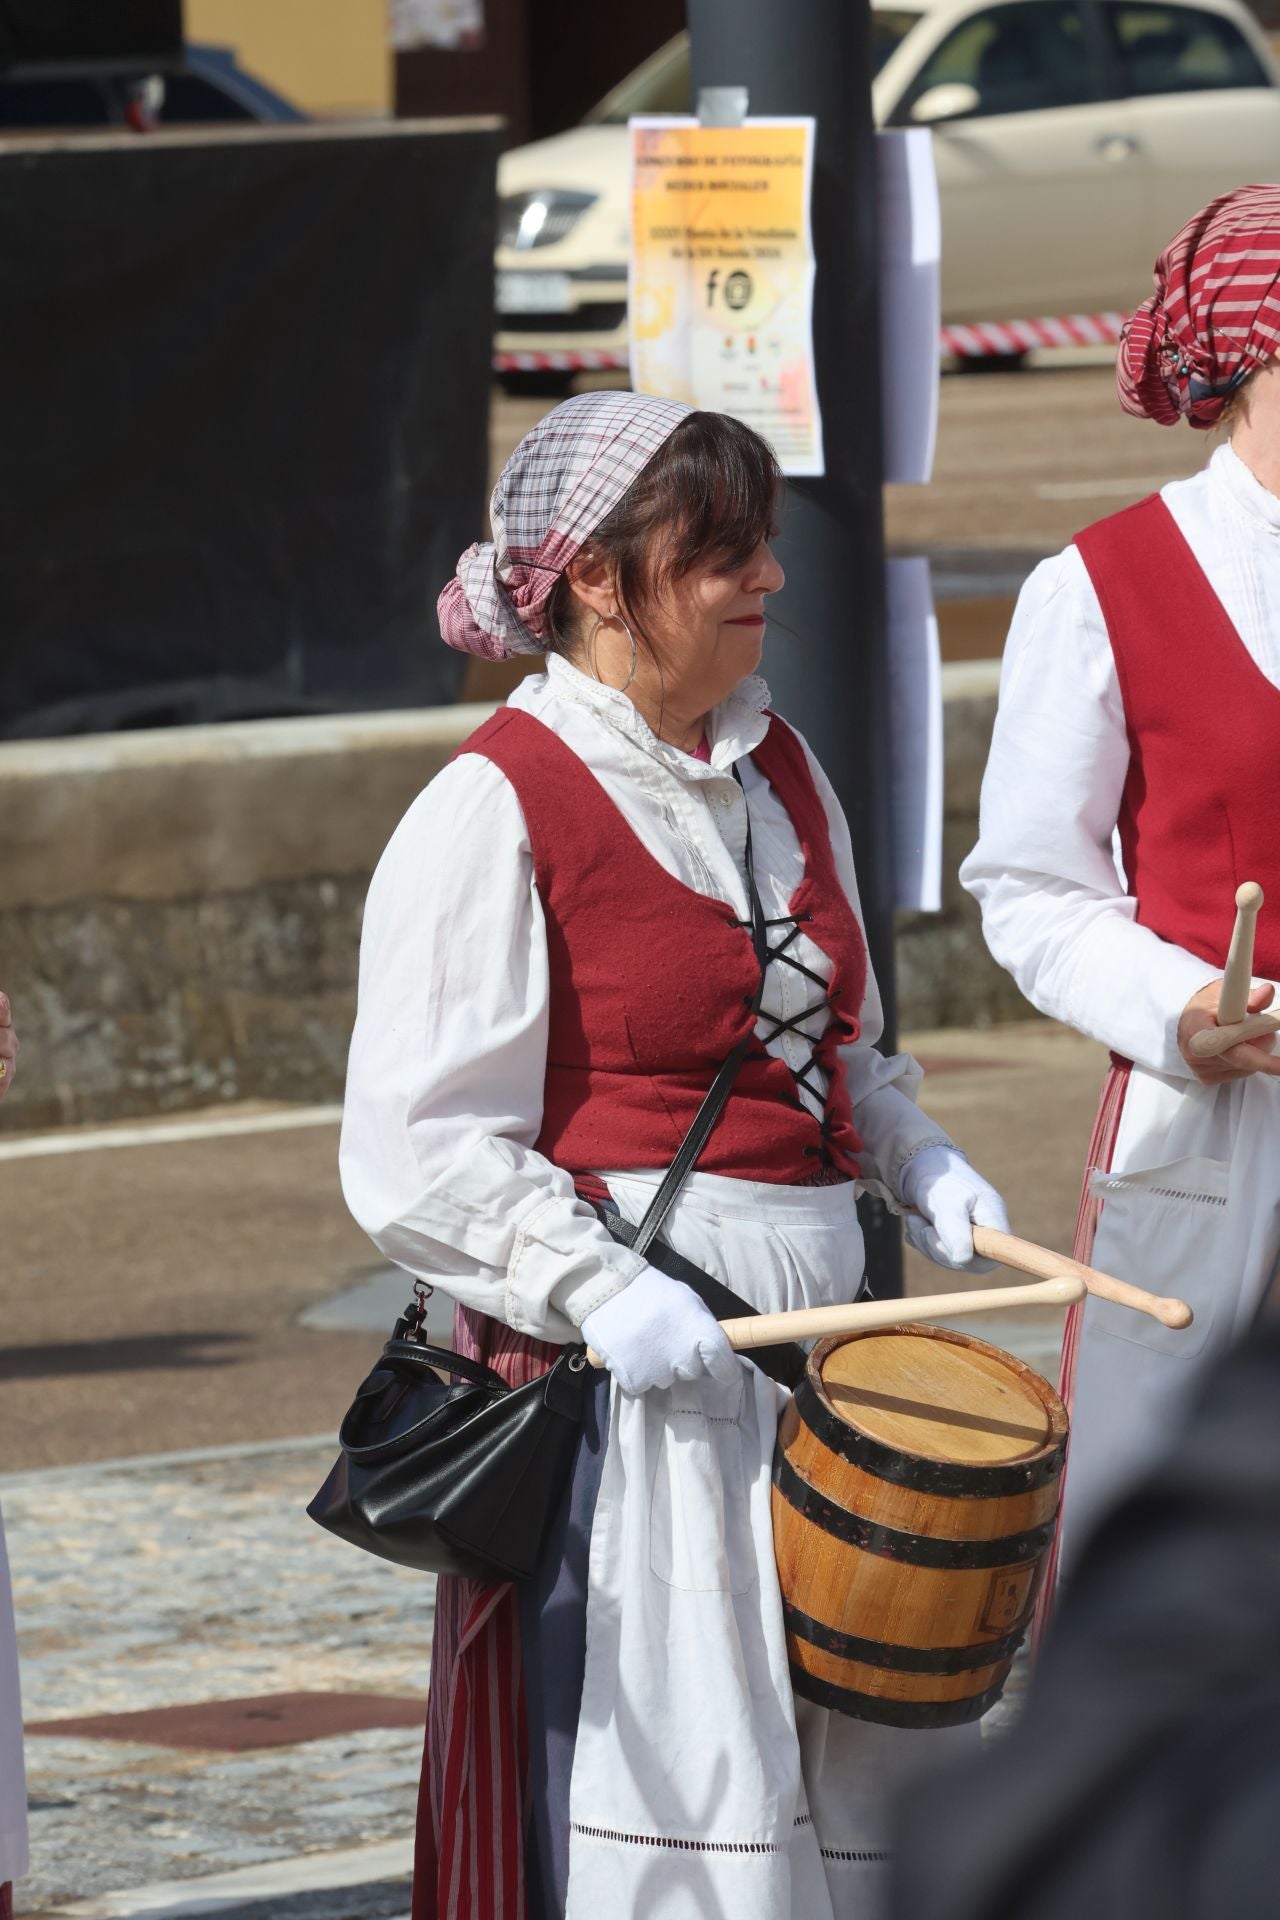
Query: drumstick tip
x=1249 y=896
x=1062 y=1289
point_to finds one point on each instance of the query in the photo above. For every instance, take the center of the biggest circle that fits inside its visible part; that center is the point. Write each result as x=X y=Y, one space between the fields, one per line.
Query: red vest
x=651 y=983
x=1199 y=809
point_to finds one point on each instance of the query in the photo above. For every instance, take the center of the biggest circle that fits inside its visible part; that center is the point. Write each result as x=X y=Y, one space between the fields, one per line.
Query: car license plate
x=534 y=293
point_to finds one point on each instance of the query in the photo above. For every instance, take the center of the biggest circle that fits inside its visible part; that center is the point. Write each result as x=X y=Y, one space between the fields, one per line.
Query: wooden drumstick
x=1027 y=1257
x=1237 y=978
x=821 y=1323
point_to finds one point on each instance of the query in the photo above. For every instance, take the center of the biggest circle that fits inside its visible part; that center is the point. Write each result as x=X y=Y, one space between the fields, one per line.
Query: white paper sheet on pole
x=915 y=699
x=451 y=24
x=910 y=301
x=722 y=274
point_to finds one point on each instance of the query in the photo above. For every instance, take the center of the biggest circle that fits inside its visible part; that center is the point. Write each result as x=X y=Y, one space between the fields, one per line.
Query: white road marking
x=1114 y=487
x=227 y=1892
x=161 y=1133
x=187 y=1457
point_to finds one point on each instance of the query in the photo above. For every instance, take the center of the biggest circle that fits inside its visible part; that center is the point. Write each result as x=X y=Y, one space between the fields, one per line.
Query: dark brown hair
x=1235 y=406
x=709 y=494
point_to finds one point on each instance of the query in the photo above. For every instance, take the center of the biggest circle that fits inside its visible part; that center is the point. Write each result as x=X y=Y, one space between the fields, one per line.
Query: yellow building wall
x=329 y=57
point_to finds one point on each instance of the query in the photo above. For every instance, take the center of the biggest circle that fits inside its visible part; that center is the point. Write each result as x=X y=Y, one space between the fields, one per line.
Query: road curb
x=359 y=1883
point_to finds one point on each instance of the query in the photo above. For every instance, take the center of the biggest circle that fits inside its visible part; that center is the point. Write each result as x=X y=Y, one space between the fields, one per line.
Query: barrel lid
x=944 y=1397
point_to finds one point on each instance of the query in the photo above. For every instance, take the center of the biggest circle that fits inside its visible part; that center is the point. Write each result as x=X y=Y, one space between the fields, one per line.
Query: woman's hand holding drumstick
x=1061 y=1281
x=823 y=1323
x=1224 y=1034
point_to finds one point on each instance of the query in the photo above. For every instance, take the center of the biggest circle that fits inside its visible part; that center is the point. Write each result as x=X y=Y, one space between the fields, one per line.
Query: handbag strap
x=713 y=1103
x=418 y=1357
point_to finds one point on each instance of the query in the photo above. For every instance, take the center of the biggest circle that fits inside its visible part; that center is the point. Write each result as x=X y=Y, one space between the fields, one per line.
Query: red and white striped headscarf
x=564 y=478
x=1215 y=314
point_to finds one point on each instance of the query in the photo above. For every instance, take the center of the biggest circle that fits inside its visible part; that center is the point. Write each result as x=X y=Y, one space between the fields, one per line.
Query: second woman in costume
x=1140 y=713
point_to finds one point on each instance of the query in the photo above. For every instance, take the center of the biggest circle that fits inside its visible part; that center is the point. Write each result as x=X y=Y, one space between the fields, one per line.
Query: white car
x=1072 y=138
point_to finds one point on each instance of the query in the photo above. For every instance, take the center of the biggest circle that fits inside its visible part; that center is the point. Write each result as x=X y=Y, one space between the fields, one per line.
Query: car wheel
x=545 y=382
x=990 y=362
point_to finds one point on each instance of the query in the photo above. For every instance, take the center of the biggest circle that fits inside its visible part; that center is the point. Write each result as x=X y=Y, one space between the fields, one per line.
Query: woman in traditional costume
x=556 y=958
x=1140 y=706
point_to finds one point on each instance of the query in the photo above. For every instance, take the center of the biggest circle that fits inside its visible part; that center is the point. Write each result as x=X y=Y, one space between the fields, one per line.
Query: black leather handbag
x=444 y=1467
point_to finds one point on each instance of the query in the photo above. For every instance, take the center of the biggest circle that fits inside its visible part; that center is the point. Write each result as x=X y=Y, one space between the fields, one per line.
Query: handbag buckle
x=416 y=1311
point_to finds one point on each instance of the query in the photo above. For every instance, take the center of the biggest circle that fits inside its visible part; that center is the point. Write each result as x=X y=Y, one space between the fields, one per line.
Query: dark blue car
x=203 y=86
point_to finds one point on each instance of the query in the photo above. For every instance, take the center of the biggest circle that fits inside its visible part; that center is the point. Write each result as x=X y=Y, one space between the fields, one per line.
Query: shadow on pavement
x=129 y=1354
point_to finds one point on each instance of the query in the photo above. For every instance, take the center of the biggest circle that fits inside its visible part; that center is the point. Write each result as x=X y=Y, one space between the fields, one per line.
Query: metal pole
x=826 y=660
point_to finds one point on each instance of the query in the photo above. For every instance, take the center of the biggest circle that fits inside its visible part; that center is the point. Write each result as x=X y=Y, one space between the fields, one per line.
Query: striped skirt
x=492 y=1831
x=1102 y=1145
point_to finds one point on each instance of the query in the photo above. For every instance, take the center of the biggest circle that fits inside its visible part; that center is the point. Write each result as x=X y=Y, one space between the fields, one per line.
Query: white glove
x=947 y=1200
x=657 y=1331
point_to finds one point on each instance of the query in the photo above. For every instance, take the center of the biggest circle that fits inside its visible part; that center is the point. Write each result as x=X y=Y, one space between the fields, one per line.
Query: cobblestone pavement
x=157 y=1584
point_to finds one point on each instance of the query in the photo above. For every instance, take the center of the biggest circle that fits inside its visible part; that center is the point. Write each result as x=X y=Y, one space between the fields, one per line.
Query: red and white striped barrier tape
x=982 y=338
x=593 y=360
x=978 y=340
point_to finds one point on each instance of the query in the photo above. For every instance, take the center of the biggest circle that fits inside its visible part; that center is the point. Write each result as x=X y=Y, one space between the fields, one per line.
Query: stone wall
x=180 y=909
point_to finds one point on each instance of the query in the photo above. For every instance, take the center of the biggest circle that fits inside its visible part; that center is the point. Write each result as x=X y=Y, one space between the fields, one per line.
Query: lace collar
x=734 y=728
x=1248 y=497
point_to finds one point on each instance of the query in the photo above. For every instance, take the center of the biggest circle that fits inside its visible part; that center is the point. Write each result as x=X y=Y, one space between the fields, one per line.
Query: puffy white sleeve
x=1055 y=910
x=882 y=1087
x=445 y=1078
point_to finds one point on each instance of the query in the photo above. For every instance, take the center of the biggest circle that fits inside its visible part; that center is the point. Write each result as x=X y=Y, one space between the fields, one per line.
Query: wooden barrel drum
x=915 y=1493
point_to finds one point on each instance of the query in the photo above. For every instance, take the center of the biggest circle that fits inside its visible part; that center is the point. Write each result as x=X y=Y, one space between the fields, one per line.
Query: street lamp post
x=827 y=661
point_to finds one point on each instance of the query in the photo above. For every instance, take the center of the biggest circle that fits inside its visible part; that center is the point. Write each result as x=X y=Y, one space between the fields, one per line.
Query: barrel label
x=1009 y=1598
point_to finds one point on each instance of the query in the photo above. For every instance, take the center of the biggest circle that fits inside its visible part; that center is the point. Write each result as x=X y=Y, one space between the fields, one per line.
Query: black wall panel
x=244 y=388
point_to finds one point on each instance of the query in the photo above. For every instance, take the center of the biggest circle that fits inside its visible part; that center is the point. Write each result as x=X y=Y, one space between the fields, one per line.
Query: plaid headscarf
x=1215 y=314
x=564 y=478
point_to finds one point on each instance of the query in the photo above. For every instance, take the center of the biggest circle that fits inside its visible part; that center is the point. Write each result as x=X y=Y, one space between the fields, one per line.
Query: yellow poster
x=721 y=294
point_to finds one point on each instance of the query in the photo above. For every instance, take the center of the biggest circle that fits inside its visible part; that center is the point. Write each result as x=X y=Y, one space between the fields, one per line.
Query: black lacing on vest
x=793 y=922
x=766 y=955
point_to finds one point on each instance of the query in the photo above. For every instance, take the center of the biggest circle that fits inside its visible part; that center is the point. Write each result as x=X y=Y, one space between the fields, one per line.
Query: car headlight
x=527 y=220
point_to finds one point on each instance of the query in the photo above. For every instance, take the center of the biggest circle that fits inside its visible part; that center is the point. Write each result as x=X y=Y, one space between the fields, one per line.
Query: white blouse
x=445 y=1078
x=1055 y=909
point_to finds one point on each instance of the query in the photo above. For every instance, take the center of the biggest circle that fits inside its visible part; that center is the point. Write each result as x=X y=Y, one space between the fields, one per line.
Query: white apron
x=1190 y=1207
x=701 y=1789
x=13 y=1785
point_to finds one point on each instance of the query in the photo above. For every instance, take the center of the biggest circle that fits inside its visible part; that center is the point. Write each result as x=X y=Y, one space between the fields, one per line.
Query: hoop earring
x=618 y=620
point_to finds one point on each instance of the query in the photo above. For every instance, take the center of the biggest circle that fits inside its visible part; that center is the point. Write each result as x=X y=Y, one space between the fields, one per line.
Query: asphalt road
x=160 y=1295
x=1025 y=459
